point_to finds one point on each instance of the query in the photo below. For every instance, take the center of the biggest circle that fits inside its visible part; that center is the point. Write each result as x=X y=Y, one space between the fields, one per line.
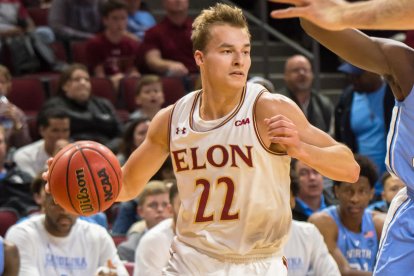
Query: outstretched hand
x=45 y=175
x=326 y=14
x=283 y=132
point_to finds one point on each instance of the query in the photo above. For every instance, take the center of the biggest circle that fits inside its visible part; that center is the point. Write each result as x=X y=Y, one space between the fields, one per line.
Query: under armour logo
x=181 y=130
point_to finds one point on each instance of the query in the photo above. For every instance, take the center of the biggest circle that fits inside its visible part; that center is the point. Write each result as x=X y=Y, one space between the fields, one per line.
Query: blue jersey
x=360 y=249
x=400 y=146
x=1 y=256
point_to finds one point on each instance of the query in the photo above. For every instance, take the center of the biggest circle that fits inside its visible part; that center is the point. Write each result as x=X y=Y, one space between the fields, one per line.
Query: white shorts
x=186 y=260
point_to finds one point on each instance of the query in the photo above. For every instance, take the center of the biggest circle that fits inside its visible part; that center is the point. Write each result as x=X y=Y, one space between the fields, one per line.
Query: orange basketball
x=85 y=178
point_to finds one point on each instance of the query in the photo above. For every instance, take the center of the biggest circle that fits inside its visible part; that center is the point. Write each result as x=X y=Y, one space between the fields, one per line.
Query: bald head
x=298 y=74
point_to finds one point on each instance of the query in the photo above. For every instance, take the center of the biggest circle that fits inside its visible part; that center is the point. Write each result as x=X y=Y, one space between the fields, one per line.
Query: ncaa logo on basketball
x=106 y=185
x=242 y=122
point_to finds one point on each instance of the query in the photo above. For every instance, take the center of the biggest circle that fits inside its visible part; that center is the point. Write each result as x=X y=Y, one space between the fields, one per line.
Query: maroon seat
x=173 y=89
x=128 y=89
x=78 y=50
x=8 y=217
x=118 y=239
x=27 y=93
x=59 y=51
x=39 y=15
x=130 y=267
x=103 y=87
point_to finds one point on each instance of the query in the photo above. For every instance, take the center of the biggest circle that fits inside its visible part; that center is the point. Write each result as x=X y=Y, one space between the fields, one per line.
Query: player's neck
x=314 y=202
x=217 y=105
x=353 y=223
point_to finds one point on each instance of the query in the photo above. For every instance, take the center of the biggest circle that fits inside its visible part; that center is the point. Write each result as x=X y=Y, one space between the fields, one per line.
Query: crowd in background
x=85 y=47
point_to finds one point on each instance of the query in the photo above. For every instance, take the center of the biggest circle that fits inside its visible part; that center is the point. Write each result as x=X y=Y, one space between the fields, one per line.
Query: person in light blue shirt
x=139 y=19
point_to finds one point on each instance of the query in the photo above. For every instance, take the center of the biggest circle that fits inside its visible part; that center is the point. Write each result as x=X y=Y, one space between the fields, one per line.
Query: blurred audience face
x=354 y=197
x=116 y=21
x=3 y=147
x=140 y=133
x=298 y=74
x=150 y=96
x=176 y=6
x=133 y=5
x=78 y=86
x=5 y=84
x=155 y=209
x=391 y=187
x=310 y=181
x=58 y=222
x=57 y=129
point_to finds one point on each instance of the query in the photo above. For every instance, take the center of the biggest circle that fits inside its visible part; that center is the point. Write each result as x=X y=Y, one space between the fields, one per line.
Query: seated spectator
x=298 y=78
x=139 y=19
x=153 y=207
x=14 y=183
x=113 y=52
x=153 y=251
x=391 y=186
x=75 y=19
x=149 y=97
x=12 y=118
x=305 y=249
x=53 y=124
x=171 y=55
x=9 y=258
x=91 y=118
x=57 y=243
x=312 y=196
x=363 y=115
x=352 y=232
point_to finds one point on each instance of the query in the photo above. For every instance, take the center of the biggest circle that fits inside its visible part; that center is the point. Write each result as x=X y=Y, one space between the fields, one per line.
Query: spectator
x=139 y=19
x=9 y=258
x=53 y=124
x=171 y=55
x=153 y=251
x=14 y=183
x=12 y=118
x=149 y=97
x=298 y=77
x=57 y=243
x=391 y=185
x=91 y=118
x=133 y=136
x=113 y=53
x=312 y=196
x=75 y=19
x=352 y=232
x=153 y=207
x=363 y=115
x=305 y=249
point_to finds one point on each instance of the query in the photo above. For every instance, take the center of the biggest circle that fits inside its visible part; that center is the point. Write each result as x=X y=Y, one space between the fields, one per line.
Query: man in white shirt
x=54 y=124
x=57 y=243
x=153 y=251
x=305 y=249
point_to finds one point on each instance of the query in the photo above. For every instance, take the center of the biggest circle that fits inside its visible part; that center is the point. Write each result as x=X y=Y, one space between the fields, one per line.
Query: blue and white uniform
x=360 y=249
x=396 y=247
x=1 y=256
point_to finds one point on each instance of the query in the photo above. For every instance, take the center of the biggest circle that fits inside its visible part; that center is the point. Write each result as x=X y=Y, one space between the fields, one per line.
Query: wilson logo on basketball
x=242 y=122
x=106 y=185
x=83 y=194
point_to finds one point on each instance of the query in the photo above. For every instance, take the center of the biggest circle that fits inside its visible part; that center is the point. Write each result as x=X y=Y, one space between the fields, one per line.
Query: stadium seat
x=130 y=267
x=128 y=89
x=78 y=51
x=173 y=89
x=103 y=87
x=39 y=15
x=118 y=239
x=59 y=51
x=8 y=217
x=27 y=93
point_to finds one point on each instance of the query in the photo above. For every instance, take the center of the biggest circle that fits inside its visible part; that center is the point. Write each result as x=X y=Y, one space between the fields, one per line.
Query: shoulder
x=305 y=228
x=323 y=220
x=28 y=229
x=29 y=148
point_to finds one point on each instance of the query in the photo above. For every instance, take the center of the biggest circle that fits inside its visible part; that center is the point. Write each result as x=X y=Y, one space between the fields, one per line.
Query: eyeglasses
x=78 y=79
x=156 y=205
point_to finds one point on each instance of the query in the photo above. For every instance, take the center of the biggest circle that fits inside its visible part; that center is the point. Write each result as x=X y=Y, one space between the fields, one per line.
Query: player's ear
x=198 y=56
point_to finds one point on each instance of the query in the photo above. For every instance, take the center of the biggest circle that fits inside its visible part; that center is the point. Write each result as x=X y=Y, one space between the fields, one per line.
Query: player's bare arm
x=11 y=260
x=378 y=55
x=281 y=121
x=145 y=161
x=340 y=14
x=379 y=219
x=329 y=230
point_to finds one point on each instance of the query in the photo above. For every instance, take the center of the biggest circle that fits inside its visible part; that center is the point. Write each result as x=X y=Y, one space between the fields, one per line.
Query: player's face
x=58 y=222
x=78 y=87
x=176 y=6
x=298 y=74
x=151 y=96
x=155 y=209
x=57 y=129
x=140 y=133
x=5 y=85
x=354 y=198
x=225 y=61
x=391 y=187
x=310 y=181
x=116 y=21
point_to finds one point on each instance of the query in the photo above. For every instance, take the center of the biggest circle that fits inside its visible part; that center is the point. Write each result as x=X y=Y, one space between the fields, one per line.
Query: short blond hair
x=153 y=187
x=219 y=14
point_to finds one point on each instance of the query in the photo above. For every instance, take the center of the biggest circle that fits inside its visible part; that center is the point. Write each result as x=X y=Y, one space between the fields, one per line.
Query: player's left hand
x=282 y=131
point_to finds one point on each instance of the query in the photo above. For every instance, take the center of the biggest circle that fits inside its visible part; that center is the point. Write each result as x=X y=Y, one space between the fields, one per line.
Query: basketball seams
x=67 y=178
x=91 y=173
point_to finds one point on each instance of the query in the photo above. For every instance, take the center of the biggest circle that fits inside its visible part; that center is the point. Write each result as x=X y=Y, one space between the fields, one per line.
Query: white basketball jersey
x=234 y=191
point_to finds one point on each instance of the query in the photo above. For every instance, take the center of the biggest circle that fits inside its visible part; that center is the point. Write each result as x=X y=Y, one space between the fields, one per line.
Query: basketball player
x=340 y=14
x=394 y=61
x=233 y=185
